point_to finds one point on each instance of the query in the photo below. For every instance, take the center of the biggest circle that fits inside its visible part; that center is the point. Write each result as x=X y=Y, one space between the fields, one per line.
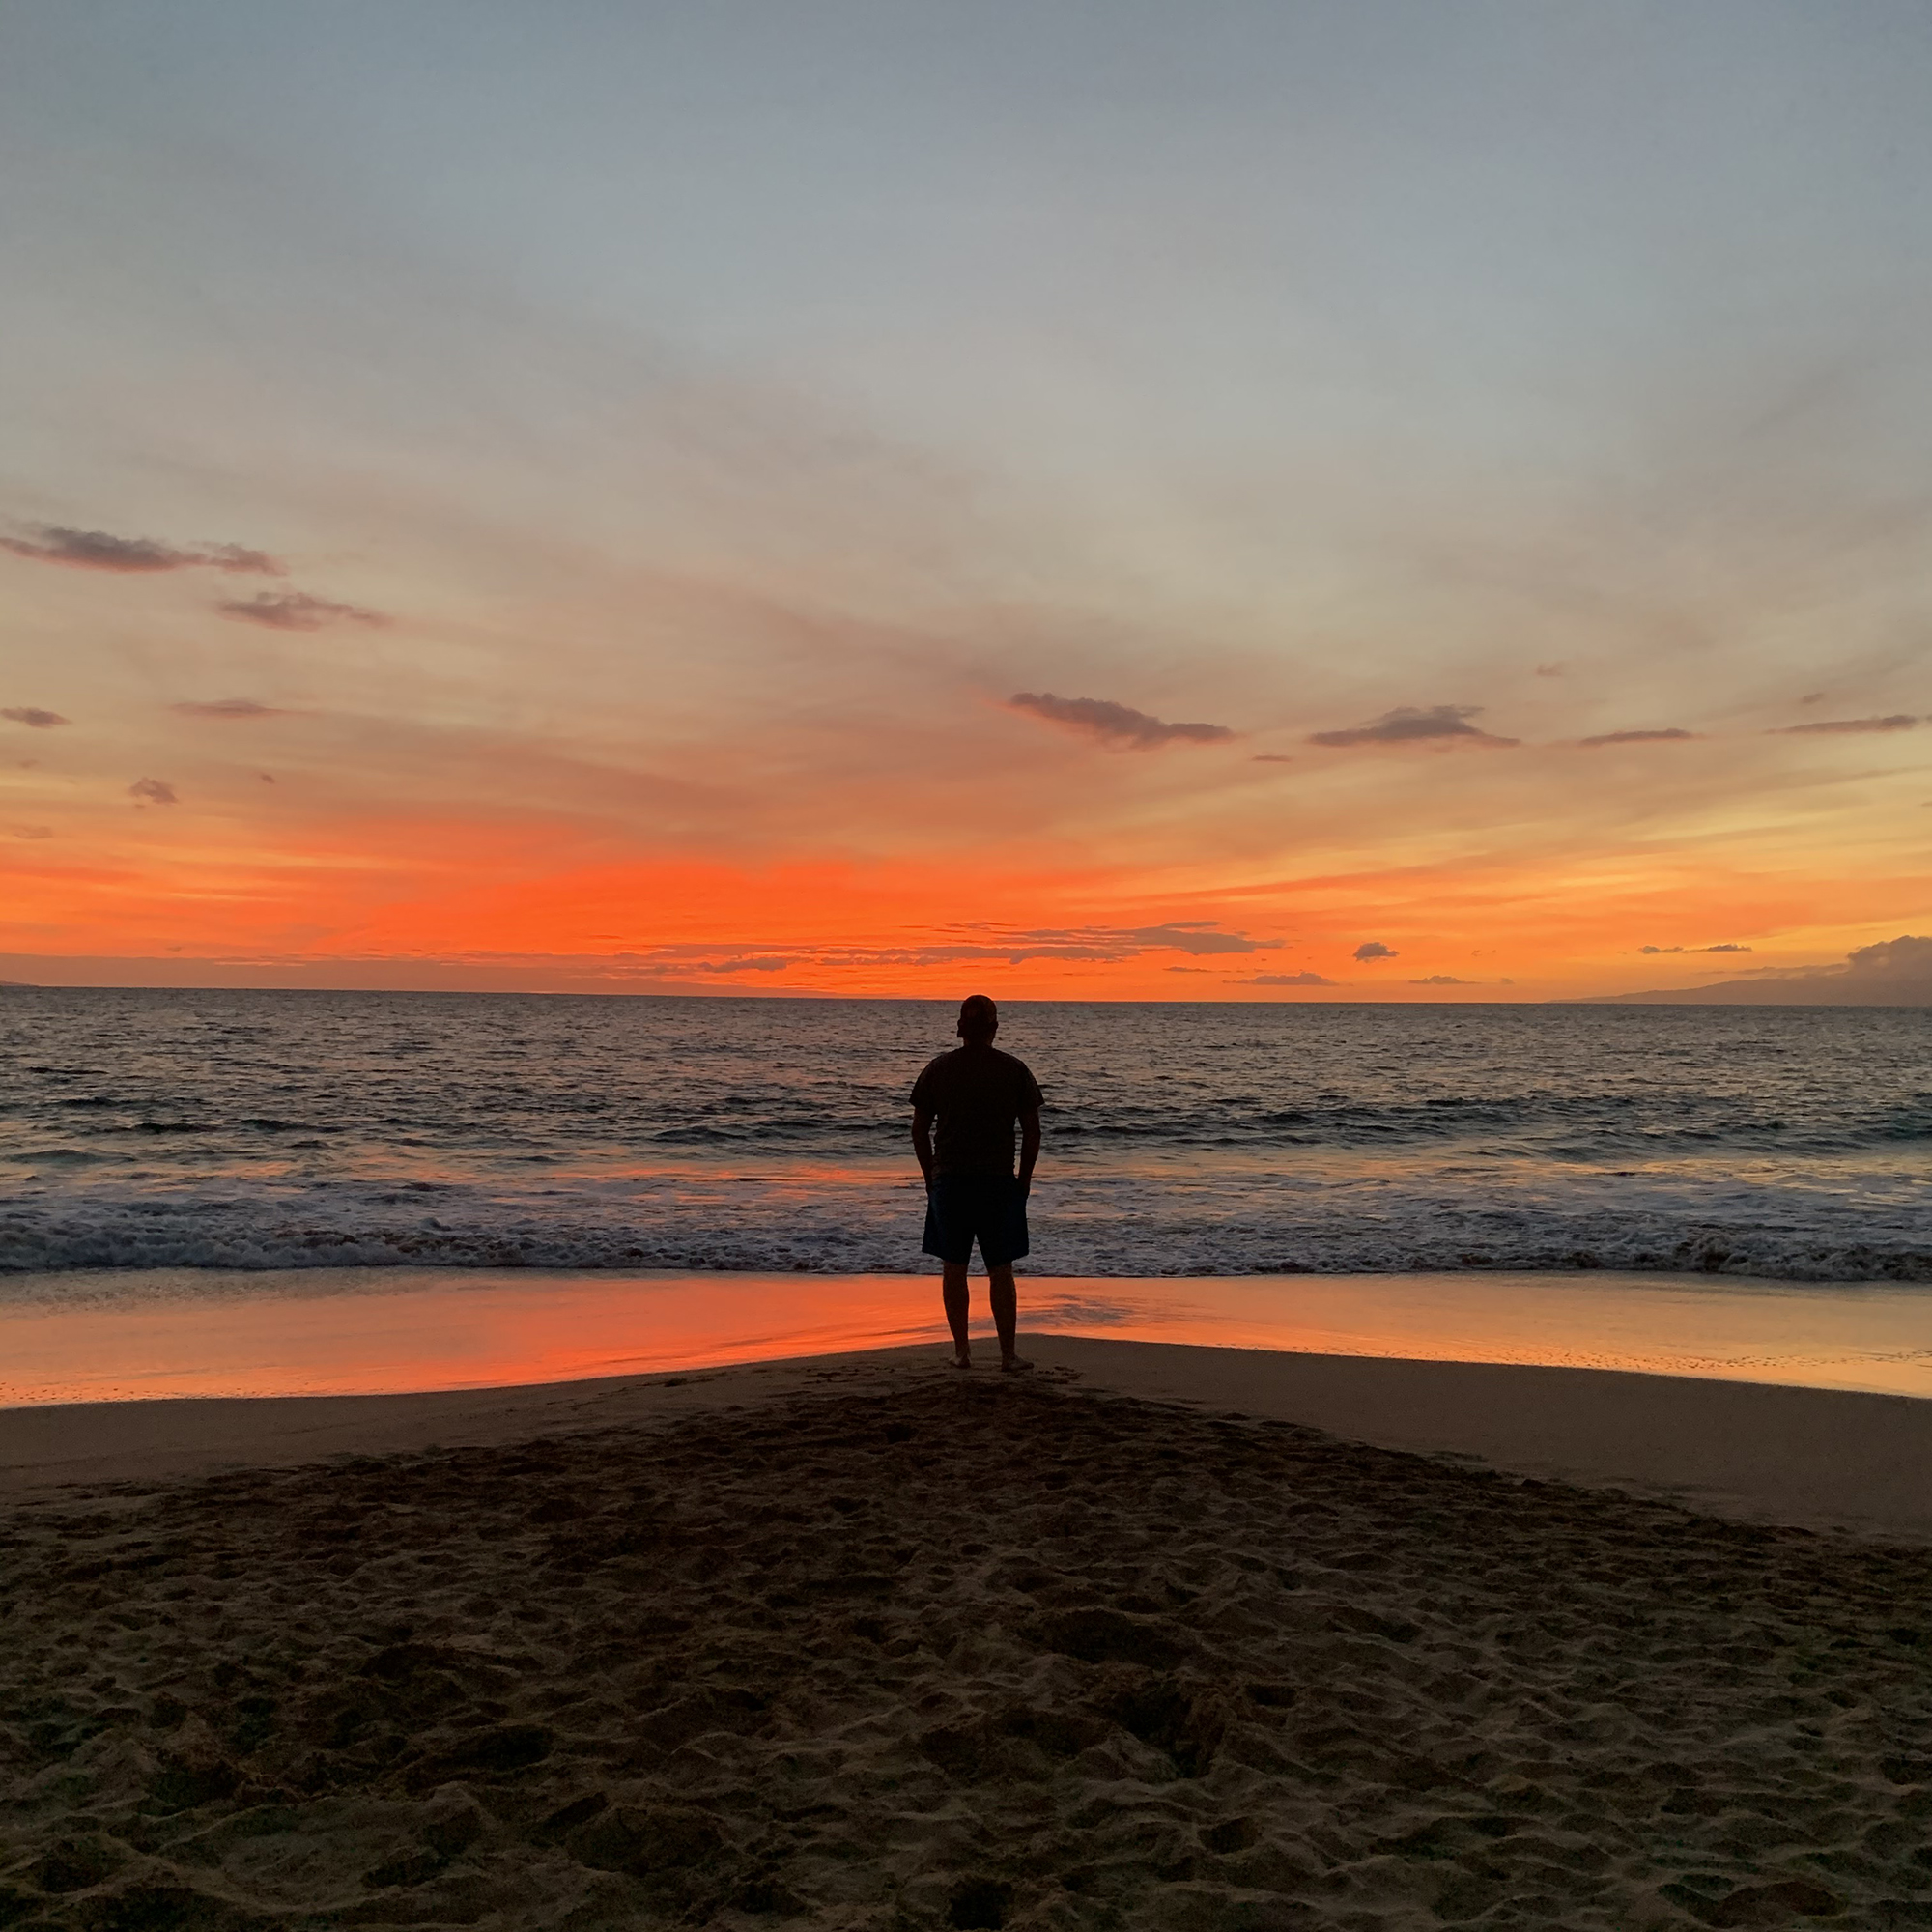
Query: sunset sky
x=1213 y=502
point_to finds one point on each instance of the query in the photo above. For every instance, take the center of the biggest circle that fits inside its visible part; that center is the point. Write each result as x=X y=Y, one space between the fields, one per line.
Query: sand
x=1817 y=1458
x=869 y=1643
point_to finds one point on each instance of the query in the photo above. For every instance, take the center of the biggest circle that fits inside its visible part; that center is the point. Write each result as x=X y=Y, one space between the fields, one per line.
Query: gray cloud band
x=1114 y=724
x=99 y=550
x=1412 y=724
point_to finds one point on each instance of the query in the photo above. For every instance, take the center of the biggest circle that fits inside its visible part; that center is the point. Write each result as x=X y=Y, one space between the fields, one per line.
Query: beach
x=1153 y=1636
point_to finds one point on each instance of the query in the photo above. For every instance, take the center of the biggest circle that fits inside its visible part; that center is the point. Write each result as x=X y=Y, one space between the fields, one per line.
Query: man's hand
x=922 y=1143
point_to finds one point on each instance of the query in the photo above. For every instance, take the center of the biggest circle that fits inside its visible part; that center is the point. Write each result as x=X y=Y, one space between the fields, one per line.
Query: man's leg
x=1006 y=1299
x=954 y=1290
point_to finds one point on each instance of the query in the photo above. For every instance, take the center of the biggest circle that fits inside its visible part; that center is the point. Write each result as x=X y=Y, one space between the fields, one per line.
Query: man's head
x=979 y=1020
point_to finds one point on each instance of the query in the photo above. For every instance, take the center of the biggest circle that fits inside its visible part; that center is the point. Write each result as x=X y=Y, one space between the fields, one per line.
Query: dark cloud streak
x=1898 y=721
x=1412 y=724
x=961 y=945
x=295 y=611
x=99 y=550
x=226 y=707
x=1669 y=735
x=1114 y=724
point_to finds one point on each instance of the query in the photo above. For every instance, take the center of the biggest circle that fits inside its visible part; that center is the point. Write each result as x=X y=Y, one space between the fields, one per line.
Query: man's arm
x=1029 y=1147
x=921 y=1140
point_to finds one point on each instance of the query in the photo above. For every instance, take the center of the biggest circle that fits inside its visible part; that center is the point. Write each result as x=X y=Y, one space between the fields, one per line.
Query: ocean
x=147 y=1130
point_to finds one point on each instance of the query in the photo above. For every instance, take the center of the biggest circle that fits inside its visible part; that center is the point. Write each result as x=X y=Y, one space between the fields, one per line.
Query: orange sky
x=1401 y=535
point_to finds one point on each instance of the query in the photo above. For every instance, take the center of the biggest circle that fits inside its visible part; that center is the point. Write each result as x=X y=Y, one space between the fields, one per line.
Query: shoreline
x=173 y=1333
x=1841 y=1460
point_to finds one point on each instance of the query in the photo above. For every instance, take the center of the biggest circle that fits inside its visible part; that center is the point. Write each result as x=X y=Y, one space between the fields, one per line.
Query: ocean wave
x=320 y=1131
x=771 y=1228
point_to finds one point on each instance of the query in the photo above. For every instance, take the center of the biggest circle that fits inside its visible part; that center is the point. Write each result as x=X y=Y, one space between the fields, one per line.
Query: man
x=976 y=1094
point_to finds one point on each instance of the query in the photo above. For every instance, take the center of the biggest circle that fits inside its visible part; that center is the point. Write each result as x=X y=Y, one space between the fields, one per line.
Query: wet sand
x=865 y=1643
x=149 y=1334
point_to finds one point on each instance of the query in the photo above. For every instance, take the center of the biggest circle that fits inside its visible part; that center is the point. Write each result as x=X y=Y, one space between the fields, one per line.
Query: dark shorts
x=963 y=1207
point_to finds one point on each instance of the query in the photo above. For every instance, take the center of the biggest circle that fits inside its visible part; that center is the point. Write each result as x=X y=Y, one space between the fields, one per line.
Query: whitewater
x=278 y=1130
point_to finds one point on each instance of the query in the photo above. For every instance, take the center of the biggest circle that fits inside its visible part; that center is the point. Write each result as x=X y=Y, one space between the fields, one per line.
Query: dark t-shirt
x=976 y=1094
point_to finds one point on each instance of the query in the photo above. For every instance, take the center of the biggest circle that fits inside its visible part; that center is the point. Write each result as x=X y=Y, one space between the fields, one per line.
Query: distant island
x=1893 y=973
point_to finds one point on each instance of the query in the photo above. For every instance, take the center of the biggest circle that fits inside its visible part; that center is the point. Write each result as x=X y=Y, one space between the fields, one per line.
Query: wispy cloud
x=32 y=715
x=1271 y=759
x=957 y=944
x=1410 y=724
x=33 y=830
x=226 y=707
x=1374 y=948
x=1898 y=721
x=1114 y=724
x=153 y=791
x=1665 y=736
x=1286 y=980
x=295 y=611
x=1727 y=947
x=1195 y=936
x=1441 y=980
x=97 y=550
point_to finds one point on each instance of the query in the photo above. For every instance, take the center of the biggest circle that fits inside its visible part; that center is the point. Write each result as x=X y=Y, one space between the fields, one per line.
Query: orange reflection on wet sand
x=388 y=1330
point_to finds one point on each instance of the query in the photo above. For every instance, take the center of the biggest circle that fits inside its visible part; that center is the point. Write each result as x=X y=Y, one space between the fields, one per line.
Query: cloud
x=1286 y=980
x=96 y=550
x=153 y=791
x=1197 y=938
x=1442 y=979
x=955 y=944
x=1374 y=948
x=1904 y=958
x=1670 y=732
x=295 y=611
x=1271 y=759
x=1408 y=724
x=226 y=707
x=32 y=714
x=1726 y=948
x=33 y=830
x=1550 y=670
x=1114 y=724
x=1193 y=936
x=1187 y=969
x=1900 y=720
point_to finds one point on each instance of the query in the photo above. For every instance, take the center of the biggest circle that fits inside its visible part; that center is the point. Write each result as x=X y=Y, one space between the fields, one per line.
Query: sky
x=1253 y=501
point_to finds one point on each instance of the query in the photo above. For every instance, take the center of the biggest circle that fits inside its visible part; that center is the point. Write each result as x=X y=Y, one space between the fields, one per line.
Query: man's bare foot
x=962 y=1360
x=1011 y=1362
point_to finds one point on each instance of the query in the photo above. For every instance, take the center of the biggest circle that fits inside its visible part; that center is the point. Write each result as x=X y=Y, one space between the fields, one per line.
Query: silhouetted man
x=976 y=1094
